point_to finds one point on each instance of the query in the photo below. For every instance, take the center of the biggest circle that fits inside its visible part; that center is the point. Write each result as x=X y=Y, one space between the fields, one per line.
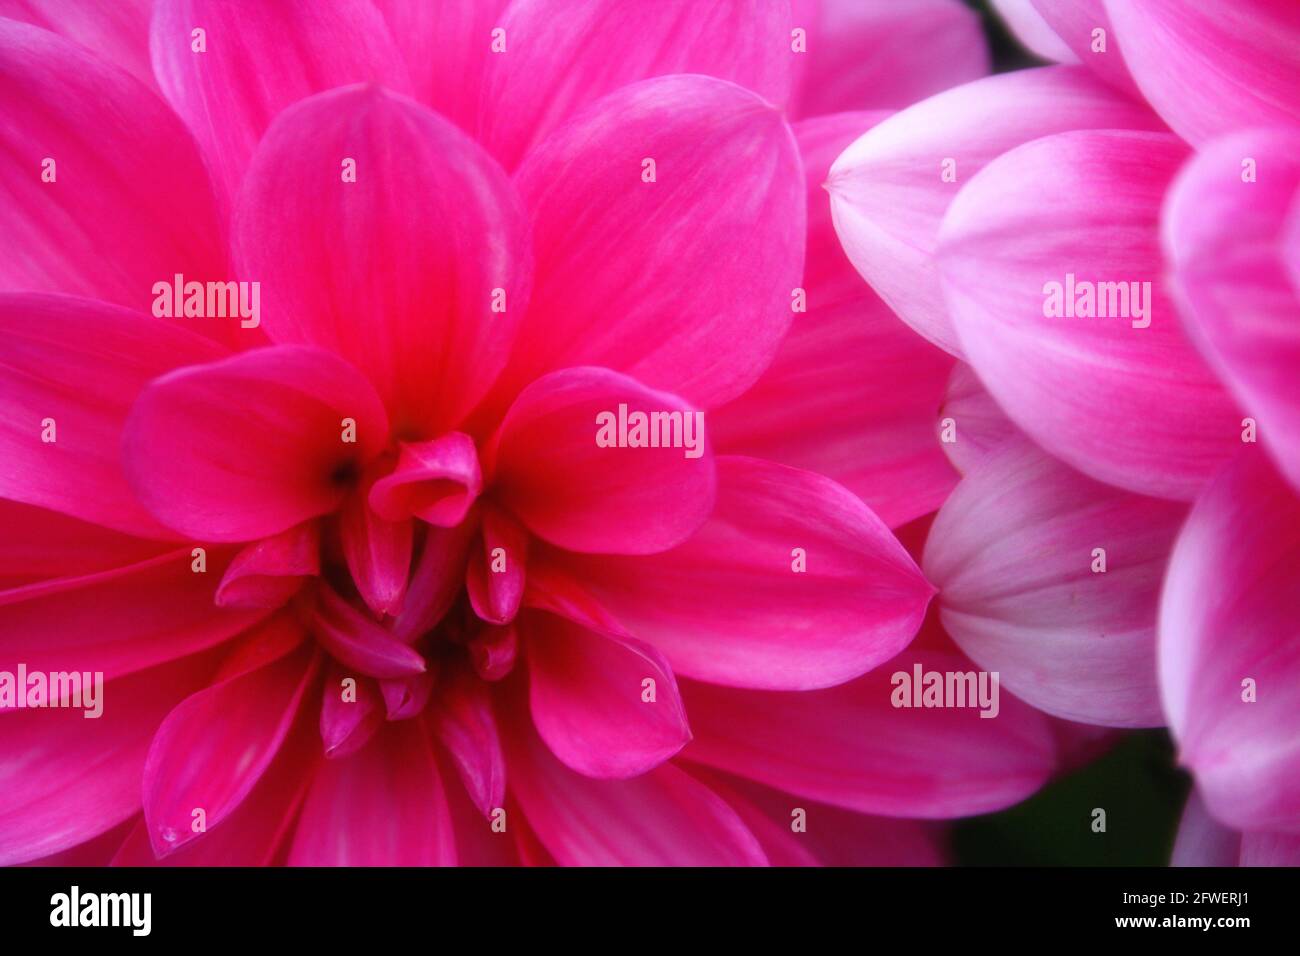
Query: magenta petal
x=1211 y=68
x=1014 y=553
x=65 y=779
x=299 y=47
x=1122 y=396
x=121 y=620
x=426 y=251
x=1225 y=219
x=881 y=54
x=792 y=583
x=210 y=751
x=1270 y=849
x=1229 y=666
x=496 y=574
x=351 y=711
x=356 y=641
x=888 y=189
x=852 y=392
x=437 y=481
x=250 y=446
x=606 y=705
x=463 y=722
x=849 y=747
x=560 y=56
x=550 y=468
x=39 y=544
x=436 y=581
x=448 y=49
x=117 y=32
x=1076 y=23
x=661 y=818
x=106 y=193
x=406 y=697
x=383 y=806
x=377 y=550
x=267 y=573
x=631 y=273
x=72 y=369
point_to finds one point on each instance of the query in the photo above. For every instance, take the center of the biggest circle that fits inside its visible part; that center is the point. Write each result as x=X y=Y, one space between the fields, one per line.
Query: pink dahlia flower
x=365 y=585
x=1124 y=546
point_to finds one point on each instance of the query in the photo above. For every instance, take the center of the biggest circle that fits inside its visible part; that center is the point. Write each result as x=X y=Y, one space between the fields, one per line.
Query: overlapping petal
x=1052 y=272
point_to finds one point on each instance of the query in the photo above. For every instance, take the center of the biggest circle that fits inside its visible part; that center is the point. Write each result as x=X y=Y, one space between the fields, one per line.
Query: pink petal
x=130 y=202
x=630 y=273
x=978 y=425
x=849 y=747
x=116 y=32
x=591 y=703
x=493 y=652
x=477 y=844
x=852 y=393
x=1029 y=27
x=1227 y=614
x=383 y=806
x=461 y=719
x=437 y=481
x=249 y=446
x=122 y=620
x=561 y=56
x=1076 y=23
x=729 y=606
x=40 y=544
x=887 y=190
x=495 y=576
x=256 y=831
x=1014 y=555
x=347 y=724
x=1270 y=849
x=436 y=581
x=1222 y=237
x=1124 y=398
x=377 y=550
x=548 y=468
x=406 y=697
x=212 y=749
x=1202 y=840
x=72 y=369
x=448 y=50
x=267 y=573
x=426 y=252
x=299 y=47
x=661 y=818
x=356 y=641
x=881 y=54
x=65 y=779
x=1209 y=69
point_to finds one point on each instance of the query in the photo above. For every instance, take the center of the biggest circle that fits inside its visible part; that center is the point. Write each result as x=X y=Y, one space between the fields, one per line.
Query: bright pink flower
x=393 y=474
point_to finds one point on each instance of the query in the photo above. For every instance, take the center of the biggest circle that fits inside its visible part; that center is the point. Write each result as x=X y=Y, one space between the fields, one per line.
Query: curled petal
x=269 y=572
x=350 y=712
x=437 y=481
x=496 y=573
x=358 y=642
